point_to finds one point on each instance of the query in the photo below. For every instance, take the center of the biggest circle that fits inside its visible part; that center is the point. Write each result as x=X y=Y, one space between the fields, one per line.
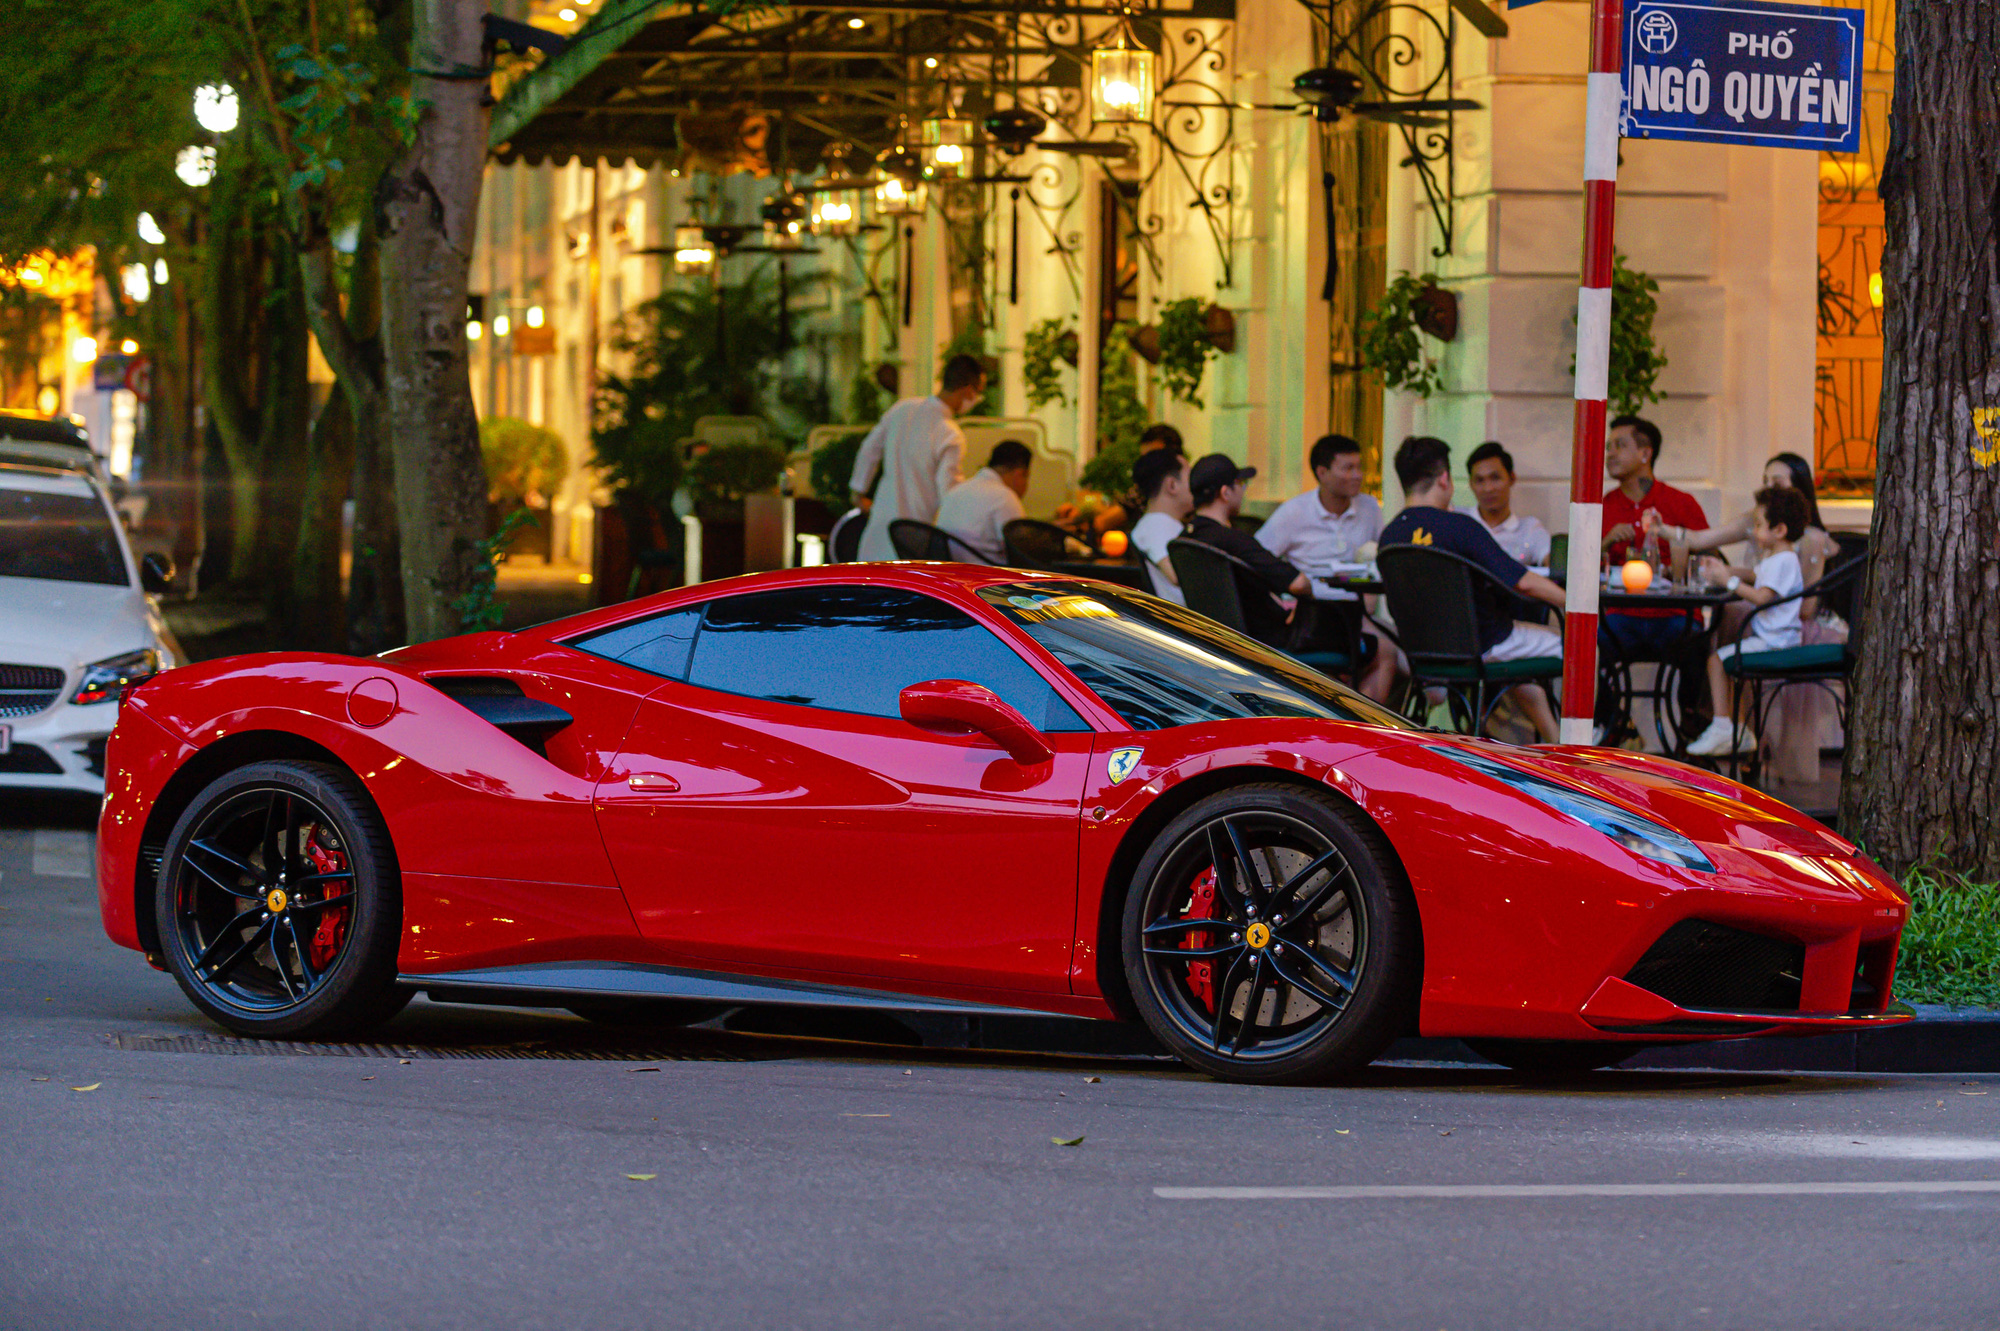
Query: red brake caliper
x=332 y=928
x=1201 y=975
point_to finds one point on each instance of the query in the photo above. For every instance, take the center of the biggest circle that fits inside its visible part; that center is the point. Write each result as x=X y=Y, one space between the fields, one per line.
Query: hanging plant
x=1185 y=346
x=1121 y=419
x=1046 y=346
x=1390 y=344
x=1636 y=361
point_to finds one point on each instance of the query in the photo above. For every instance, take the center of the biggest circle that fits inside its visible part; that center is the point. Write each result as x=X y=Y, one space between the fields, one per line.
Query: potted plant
x=1390 y=344
x=1047 y=346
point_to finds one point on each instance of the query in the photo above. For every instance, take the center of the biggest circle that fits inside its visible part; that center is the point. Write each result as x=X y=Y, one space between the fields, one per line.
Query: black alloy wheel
x=1269 y=937
x=278 y=903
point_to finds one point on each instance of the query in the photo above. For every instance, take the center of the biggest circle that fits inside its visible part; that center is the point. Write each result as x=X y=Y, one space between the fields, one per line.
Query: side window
x=658 y=645
x=855 y=649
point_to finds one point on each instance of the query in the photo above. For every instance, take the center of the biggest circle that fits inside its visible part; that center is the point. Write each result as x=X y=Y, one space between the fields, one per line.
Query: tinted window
x=62 y=537
x=658 y=645
x=1157 y=664
x=854 y=649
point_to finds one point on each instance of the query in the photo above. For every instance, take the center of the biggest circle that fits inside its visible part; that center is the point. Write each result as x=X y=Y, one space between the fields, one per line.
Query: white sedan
x=77 y=623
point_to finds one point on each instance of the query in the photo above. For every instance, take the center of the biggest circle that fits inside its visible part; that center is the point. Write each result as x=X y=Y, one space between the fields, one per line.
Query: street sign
x=1745 y=71
x=107 y=374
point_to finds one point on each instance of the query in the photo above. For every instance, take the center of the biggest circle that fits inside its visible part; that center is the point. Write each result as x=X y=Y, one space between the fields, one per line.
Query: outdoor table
x=1125 y=570
x=1615 y=670
x=1359 y=583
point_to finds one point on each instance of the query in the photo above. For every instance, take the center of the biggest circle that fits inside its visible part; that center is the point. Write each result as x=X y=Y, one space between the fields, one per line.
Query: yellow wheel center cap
x=274 y=901
x=1258 y=934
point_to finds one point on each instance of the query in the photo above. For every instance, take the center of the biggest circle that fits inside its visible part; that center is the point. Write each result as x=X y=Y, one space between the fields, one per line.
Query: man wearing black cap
x=1217 y=483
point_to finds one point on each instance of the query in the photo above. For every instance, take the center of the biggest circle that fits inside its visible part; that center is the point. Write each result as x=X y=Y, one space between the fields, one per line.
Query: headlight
x=102 y=681
x=1641 y=836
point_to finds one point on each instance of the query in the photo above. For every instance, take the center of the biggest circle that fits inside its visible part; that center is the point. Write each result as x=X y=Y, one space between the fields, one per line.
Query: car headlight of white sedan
x=103 y=680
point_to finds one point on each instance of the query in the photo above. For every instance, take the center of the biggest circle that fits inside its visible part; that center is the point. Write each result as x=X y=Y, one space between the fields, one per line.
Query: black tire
x=1320 y=966
x=1554 y=1058
x=638 y=1014
x=279 y=903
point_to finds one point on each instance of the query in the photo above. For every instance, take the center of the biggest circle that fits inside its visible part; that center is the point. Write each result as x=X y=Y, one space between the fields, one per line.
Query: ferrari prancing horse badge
x=1122 y=762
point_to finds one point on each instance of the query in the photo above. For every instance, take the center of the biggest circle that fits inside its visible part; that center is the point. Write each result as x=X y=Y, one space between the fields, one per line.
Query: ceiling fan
x=1327 y=93
x=1015 y=129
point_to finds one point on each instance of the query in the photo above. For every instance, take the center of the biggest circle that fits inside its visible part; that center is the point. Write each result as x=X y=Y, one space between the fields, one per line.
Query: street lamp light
x=215 y=108
x=693 y=255
x=900 y=193
x=947 y=146
x=1121 y=78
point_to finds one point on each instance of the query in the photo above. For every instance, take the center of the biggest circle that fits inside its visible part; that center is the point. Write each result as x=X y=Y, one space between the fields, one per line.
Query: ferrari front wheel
x=279 y=905
x=1268 y=937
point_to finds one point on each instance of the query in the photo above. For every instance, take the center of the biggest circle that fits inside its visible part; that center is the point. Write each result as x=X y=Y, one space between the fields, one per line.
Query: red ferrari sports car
x=975 y=790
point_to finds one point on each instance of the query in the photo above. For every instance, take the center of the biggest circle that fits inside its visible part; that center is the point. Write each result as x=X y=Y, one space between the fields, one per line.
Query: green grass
x=1951 y=946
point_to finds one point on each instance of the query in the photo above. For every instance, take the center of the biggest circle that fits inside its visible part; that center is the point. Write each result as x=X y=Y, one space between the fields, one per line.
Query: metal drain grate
x=600 y=1052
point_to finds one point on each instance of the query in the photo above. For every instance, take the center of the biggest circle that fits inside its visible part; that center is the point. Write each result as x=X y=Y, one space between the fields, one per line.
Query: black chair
x=843 y=543
x=1559 y=554
x=920 y=540
x=1217 y=584
x=1820 y=664
x=1032 y=543
x=1431 y=594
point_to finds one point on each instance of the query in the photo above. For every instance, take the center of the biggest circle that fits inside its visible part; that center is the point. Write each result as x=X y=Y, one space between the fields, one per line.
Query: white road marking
x=64 y=854
x=1396 y=1192
x=1835 y=1145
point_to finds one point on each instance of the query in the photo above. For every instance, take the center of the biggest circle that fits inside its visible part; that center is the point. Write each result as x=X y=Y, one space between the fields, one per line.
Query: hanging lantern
x=693 y=255
x=947 y=146
x=784 y=215
x=900 y=193
x=837 y=213
x=1121 y=79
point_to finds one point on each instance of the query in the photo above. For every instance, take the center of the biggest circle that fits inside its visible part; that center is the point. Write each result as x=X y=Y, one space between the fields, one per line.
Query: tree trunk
x=286 y=440
x=427 y=207
x=1923 y=765
x=231 y=315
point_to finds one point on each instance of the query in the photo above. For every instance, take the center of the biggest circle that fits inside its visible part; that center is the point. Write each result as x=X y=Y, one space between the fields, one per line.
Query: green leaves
x=1951 y=945
x=1184 y=349
x=1389 y=338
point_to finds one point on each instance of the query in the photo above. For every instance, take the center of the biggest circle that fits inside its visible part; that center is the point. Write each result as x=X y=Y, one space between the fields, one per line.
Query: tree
x=1923 y=766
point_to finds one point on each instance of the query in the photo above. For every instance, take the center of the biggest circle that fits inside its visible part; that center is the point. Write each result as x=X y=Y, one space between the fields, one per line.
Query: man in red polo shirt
x=1631 y=450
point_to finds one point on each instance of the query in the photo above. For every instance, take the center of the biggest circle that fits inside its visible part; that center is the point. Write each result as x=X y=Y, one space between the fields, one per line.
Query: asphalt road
x=788 y=1182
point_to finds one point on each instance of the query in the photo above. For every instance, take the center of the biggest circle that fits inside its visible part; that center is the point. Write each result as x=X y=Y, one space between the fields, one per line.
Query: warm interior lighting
x=500 y=325
x=693 y=255
x=897 y=199
x=1875 y=290
x=946 y=144
x=474 y=330
x=566 y=15
x=857 y=23
x=83 y=350
x=1121 y=78
x=837 y=214
x=128 y=347
x=535 y=316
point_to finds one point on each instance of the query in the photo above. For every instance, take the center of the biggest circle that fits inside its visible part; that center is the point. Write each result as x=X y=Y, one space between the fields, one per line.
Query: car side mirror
x=957 y=705
x=156 y=574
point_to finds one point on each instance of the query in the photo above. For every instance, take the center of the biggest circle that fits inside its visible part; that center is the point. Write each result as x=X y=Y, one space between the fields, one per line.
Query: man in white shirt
x=1161 y=478
x=1491 y=471
x=1329 y=525
x=916 y=447
x=978 y=508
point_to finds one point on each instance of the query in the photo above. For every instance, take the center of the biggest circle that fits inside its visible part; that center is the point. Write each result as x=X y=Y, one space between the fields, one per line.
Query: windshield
x=60 y=537
x=1157 y=664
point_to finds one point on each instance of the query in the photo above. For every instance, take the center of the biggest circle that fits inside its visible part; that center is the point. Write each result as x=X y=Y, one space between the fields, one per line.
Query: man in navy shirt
x=1423 y=465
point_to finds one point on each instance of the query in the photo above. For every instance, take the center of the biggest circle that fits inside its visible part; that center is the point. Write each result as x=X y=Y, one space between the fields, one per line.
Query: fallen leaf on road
x=38 y=1079
x=94 y=1085
x=1444 y=1132
x=1067 y=1141
x=906 y=1072
x=645 y=1069
x=1972 y=1092
x=1093 y=1079
x=404 y=1061
x=1343 y=1131
x=368 y=1079
x=642 y=1178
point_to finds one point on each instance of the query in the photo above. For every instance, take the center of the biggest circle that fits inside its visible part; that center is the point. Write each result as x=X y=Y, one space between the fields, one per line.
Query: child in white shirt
x=1778 y=522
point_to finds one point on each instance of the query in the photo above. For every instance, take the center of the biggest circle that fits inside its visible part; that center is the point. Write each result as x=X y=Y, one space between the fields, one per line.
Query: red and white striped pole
x=1593 y=358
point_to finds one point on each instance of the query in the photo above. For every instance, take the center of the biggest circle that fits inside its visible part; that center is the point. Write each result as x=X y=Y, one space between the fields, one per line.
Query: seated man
x=1329 y=525
x=1423 y=465
x=978 y=507
x=1217 y=485
x=1161 y=478
x=1491 y=471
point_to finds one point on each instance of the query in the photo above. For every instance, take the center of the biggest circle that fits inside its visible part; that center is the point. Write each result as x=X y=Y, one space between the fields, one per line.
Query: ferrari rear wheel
x=1269 y=937
x=1553 y=1058
x=279 y=905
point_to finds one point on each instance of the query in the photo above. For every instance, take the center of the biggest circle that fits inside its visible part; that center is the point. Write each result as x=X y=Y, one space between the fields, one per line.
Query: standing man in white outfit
x=916 y=447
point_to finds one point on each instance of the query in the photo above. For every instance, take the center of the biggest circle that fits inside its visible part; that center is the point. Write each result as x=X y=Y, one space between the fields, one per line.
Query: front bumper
x=61 y=748
x=1622 y=1008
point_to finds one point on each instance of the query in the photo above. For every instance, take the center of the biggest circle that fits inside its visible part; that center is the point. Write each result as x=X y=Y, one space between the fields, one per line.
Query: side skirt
x=556 y=983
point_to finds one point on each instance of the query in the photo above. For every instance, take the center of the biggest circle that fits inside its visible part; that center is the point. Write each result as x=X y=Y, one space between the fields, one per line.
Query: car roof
x=70 y=456
x=46 y=480
x=27 y=426
x=936 y=578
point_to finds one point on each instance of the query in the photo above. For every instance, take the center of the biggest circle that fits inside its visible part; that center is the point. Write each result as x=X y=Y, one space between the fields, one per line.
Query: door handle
x=652 y=781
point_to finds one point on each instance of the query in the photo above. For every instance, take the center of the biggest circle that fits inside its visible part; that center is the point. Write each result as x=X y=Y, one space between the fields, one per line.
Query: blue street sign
x=1745 y=71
